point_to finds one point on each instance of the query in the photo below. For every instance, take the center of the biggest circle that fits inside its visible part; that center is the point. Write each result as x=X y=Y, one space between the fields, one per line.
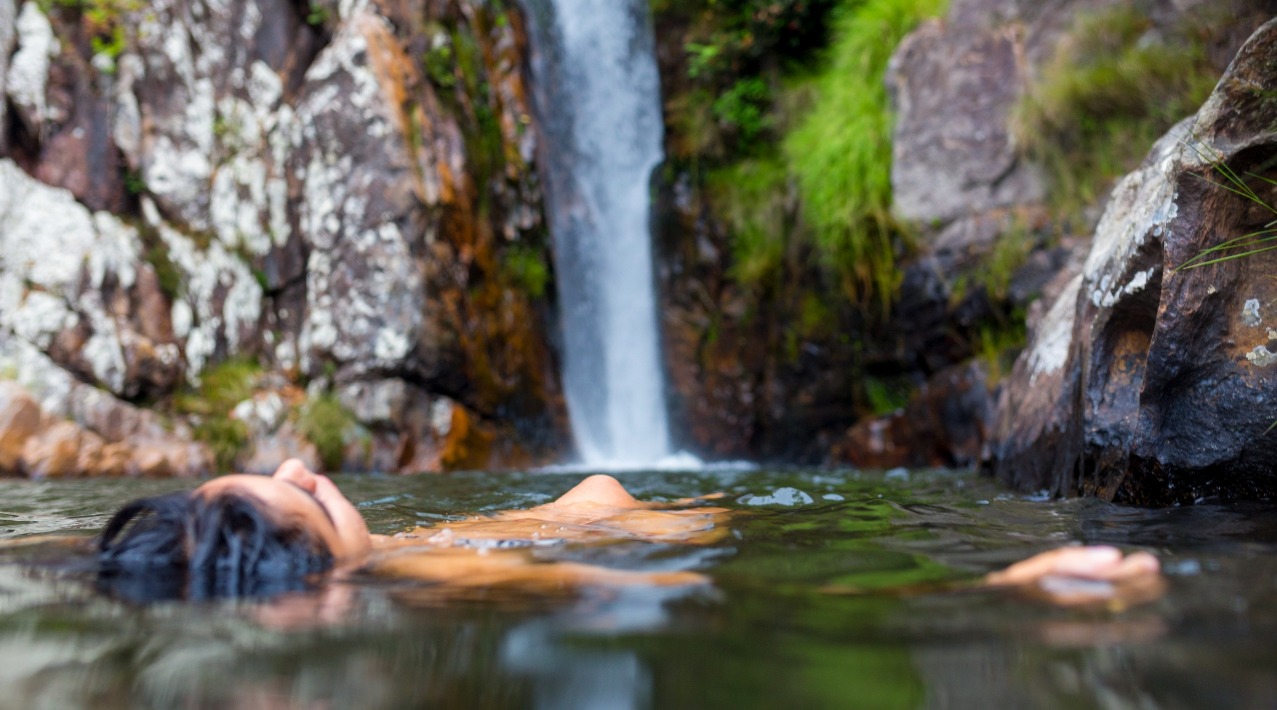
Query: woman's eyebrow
x=312 y=497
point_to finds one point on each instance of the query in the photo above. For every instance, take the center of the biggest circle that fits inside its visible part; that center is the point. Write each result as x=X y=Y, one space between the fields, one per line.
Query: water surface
x=834 y=589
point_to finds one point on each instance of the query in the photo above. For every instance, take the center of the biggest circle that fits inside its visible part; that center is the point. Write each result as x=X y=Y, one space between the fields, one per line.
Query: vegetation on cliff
x=784 y=113
x=1114 y=84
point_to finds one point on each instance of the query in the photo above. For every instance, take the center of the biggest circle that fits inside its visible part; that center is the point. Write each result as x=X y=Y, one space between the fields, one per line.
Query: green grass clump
x=841 y=152
x=1111 y=89
x=997 y=345
x=752 y=196
x=1242 y=185
x=994 y=272
x=209 y=407
x=524 y=267
x=887 y=395
x=327 y=424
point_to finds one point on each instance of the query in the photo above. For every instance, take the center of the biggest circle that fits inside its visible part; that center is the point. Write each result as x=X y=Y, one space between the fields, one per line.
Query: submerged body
x=310 y=514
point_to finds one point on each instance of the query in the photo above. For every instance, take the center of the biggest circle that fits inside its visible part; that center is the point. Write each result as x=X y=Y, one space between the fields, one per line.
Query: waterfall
x=598 y=101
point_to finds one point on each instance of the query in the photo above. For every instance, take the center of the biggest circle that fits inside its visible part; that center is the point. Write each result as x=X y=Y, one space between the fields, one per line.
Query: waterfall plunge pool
x=768 y=632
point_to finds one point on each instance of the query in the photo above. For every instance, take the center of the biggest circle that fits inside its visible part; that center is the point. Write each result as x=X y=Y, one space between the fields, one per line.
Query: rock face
x=1148 y=380
x=332 y=192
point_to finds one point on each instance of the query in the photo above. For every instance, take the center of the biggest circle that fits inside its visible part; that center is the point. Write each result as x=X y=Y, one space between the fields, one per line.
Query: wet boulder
x=1150 y=379
x=945 y=423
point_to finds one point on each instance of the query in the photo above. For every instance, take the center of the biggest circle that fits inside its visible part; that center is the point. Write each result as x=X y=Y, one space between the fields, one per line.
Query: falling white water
x=598 y=99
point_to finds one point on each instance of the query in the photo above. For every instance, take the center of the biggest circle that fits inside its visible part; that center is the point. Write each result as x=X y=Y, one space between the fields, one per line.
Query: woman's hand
x=1078 y=576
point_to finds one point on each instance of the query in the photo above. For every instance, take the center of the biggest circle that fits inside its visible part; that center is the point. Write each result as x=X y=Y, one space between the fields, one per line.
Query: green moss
x=222 y=386
x=317 y=16
x=524 y=267
x=439 y=60
x=327 y=424
x=994 y=272
x=133 y=183
x=751 y=197
x=887 y=395
x=841 y=152
x=225 y=438
x=1111 y=89
x=105 y=21
x=998 y=344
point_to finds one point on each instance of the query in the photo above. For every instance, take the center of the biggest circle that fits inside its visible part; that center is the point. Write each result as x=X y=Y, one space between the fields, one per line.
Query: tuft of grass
x=1112 y=87
x=994 y=272
x=524 y=267
x=998 y=344
x=752 y=195
x=887 y=395
x=1249 y=244
x=840 y=153
x=327 y=424
x=209 y=407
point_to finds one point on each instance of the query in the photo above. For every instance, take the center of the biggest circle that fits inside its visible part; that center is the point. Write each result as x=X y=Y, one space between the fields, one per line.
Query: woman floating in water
x=249 y=535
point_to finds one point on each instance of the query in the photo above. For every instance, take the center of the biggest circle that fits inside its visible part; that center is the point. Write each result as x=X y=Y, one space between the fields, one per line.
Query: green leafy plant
x=743 y=108
x=993 y=273
x=887 y=395
x=997 y=344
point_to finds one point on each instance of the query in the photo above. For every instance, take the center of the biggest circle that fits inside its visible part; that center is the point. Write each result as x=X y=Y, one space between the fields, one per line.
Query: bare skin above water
x=498 y=550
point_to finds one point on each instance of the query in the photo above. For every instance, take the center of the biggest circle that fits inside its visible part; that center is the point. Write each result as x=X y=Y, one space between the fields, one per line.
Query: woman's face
x=295 y=494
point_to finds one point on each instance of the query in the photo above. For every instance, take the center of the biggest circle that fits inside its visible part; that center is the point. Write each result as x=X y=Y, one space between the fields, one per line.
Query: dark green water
x=767 y=634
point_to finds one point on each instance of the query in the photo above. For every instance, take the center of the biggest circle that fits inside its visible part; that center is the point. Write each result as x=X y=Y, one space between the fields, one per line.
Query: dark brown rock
x=1152 y=385
x=946 y=423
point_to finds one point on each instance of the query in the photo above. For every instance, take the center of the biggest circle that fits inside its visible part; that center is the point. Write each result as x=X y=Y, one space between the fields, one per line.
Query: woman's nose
x=295 y=472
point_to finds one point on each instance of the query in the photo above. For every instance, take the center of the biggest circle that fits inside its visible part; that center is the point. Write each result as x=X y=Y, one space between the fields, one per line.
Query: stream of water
x=775 y=628
x=598 y=99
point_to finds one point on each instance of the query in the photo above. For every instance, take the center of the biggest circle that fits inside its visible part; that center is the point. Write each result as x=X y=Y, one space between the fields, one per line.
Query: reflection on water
x=833 y=589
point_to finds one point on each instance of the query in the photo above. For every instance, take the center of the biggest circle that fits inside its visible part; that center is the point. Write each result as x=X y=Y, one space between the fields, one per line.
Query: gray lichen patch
x=1261 y=356
x=1250 y=313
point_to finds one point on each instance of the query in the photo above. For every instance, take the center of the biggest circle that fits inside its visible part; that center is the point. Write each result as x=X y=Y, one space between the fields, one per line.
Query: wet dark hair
x=186 y=546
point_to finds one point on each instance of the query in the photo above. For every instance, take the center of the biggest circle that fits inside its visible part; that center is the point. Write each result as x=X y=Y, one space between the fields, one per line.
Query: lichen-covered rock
x=28 y=70
x=359 y=213
x=70 y=282
x=269 y=450
x=219 y=309
x=8 y=34
x=1147 y=382
x=56 y=425
x=293 y=189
